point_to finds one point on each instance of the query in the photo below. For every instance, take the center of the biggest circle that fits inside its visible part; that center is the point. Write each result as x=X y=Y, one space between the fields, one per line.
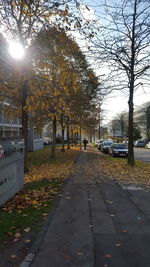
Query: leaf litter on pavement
x=119 y=170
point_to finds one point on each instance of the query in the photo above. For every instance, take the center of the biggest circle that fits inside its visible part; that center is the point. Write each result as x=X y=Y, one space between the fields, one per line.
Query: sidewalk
x=96 y=223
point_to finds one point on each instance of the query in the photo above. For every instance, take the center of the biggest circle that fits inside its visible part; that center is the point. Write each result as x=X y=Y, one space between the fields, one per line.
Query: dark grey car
x=105 y=146
x=118 y=150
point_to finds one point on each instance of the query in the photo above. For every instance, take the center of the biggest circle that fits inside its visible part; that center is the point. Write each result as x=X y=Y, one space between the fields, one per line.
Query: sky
x=117 y=103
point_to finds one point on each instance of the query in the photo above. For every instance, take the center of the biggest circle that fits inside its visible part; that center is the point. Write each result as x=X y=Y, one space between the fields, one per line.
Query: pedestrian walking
x=85 y=142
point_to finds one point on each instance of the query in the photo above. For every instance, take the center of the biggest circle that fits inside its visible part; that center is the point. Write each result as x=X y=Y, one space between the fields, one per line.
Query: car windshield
x=107 y=143
x=119 y=146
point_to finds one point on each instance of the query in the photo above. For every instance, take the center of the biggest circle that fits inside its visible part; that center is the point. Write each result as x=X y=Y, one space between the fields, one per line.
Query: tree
x=136 y=132
x=65 y=85
x=122 y=121
x=115 y=125
x=124 y=45
x=21 y=20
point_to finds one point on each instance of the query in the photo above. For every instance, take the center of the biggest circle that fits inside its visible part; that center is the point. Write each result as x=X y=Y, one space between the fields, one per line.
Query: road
x=142 y=154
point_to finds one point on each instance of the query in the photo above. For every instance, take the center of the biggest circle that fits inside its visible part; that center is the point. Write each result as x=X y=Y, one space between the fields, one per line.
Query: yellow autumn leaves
x=42 y=183
x=48 y=171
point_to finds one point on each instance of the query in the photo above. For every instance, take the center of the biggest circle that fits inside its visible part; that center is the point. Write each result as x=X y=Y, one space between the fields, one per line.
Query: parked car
x=119 y=150
x=96 y=143
x=105 y=146
x=139 y=143
x=100 y=143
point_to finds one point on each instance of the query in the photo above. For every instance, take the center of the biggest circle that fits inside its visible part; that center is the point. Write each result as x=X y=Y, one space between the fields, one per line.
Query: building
x=142 y=119
x=10 y=127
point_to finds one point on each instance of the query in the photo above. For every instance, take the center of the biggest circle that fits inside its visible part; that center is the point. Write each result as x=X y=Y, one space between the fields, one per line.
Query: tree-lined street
x=62 y=205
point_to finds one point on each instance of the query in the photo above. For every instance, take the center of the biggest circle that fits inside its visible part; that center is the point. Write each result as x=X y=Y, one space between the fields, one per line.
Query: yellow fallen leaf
x=34 y=202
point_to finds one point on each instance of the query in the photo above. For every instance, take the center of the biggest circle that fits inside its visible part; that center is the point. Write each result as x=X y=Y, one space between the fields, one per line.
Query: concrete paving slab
x=121 y=250
x=126 y=214
x=101 y=220
x=69 y=240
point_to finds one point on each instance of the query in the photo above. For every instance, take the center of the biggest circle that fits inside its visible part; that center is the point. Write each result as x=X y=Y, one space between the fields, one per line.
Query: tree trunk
x=99 y=132
x=68 y=135
x=131 y=80
x=25 y=122
x=62 y=139
x=53 y=147
x=130 y=144
x=122 y=132
x=72 y=137
x=80 y=137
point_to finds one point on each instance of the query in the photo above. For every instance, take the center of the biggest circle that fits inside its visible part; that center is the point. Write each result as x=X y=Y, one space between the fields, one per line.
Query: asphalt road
x=142 y=154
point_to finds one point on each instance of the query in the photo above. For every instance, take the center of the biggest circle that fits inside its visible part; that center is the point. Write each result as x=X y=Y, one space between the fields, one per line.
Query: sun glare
x=16 y=50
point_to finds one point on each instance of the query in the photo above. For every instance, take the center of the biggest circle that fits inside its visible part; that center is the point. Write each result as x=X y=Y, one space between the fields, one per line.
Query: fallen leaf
x=13 y=256
x=10 y=233
x=79 y=253
x=118 y=244
x=45 y=214
x=27 y=229
x=27 y=241
x=124 y=231
x=108 y=256
x=17 y=235
x=34 y=202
